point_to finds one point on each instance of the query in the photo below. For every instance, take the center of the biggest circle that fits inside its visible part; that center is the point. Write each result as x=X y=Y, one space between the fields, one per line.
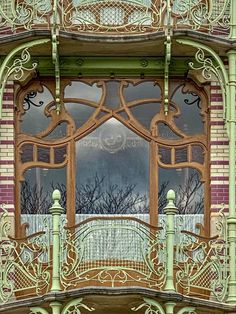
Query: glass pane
x=83 y=91
x=112 y=171
x=59 y=132
x=181 y=154
x=143 y=90
x=36 y=190
x=112 y=99
x=34 y=120
x=165 y=131
x=165 y=155
x=145 y=113
x=197 y=154
x=44 y=154
x=59 y=154
x=80 y=113
x=188 y=187
x=27 y=153
x=190 y=119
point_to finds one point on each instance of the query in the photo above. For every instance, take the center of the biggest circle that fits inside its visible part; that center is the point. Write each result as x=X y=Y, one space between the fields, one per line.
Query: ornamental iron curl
x=24 y=263
x=202 y=263
x=116 y=16
x=97 y=251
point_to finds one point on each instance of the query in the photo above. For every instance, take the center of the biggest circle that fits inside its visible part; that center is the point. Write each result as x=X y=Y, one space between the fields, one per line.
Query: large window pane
x=112 y=172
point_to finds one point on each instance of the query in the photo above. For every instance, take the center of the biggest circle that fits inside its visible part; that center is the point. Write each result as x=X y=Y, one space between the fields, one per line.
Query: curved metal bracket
x=38 y=310
x=18 y=66
x=187 y=309
x=209 y=66
x=75 y=305
x=152 y=306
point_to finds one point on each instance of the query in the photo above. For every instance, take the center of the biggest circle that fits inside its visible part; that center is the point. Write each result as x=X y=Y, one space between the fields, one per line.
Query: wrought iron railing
x=116 y=16
x=112 y=252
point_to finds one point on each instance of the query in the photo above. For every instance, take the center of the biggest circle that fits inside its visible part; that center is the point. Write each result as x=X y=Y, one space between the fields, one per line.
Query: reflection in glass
x=190 y=119
x=27 y=153
x=83 y=91
x=165 y=131
x=144 y=113
x=164 y=154
x=34 y=120
x=188 y=187
x=36 y=190
x=43 y=154
x=197 y=154
x=181 y=154
x=59 y=132
x=112 y=100
x=80 y=113
x=112 y=172
x=143 y=90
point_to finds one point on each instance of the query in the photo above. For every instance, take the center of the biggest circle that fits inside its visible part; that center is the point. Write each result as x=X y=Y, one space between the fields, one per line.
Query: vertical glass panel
x=59 y=154
x=34 y=120
x=36 y=190
x=197 y=154
x=27 y=153
x=143 y=90
x=79 y=112
x=144 y=113
x=165 y=155
x=43 y=154
x=190 y=119
x=188 y=187
x=112 y=172
x=83 y=91
x=181 y=154
x=112 y=99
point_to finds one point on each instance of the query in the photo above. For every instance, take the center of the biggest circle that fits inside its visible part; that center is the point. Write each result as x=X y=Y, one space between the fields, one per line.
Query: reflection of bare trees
x=94 y=197
x=190 y=196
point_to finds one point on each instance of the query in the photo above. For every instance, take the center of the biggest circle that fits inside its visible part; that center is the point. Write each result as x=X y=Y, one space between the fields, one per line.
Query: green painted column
x=231 y=220
x=170 y=210
x=170 y=307
x=56 y=307
x=56 y=210
x=232 y=34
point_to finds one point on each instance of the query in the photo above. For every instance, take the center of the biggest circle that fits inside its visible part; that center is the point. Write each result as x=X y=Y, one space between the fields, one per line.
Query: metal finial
x=56 y=196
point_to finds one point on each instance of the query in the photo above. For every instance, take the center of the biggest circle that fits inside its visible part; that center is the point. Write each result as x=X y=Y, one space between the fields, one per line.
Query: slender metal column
x=232 y=34
x=56 y=307
x=56 y=210
x=231 y=221
x=170 y=210
x=170 y=307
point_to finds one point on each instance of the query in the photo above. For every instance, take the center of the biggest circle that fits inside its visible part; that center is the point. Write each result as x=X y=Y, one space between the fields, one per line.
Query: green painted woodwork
x=113 y=66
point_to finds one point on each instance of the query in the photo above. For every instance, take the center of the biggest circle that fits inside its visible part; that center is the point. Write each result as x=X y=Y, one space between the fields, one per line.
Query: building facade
x=124 y=111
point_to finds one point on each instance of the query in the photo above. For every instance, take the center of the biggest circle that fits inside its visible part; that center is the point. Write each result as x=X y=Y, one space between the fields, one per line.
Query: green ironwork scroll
x=154 y=307
x=72 y=307
x=17 y=66
x=24 y=263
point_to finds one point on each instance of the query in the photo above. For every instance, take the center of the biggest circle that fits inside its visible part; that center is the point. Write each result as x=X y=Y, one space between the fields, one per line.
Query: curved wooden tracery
x=159 y=144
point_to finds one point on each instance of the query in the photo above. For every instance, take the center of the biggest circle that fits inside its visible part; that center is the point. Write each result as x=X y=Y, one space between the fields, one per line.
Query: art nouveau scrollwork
x=111 y=118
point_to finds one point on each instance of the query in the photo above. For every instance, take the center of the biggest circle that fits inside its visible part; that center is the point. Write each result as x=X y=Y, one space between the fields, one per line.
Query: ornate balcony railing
x=113 y=252
x=116 y=16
